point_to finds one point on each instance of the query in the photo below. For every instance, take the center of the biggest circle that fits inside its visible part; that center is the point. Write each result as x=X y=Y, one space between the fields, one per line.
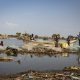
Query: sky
x=41 y=17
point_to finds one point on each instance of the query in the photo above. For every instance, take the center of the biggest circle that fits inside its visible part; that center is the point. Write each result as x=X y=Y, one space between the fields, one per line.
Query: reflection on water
x=12 y=54
x=38 y=62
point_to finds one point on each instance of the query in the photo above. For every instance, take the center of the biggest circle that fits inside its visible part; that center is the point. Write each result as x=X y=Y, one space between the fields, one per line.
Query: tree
x=18 y=34
x=25 y=34
x=54 y=36
x=36 y=36
x=58 y=35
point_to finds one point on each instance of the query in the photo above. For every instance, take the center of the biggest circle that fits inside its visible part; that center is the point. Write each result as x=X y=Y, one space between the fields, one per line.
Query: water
x=36 y=62
x=12 y=42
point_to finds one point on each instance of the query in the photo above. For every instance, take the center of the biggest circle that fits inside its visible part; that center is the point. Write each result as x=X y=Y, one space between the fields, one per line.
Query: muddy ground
x=37 y=75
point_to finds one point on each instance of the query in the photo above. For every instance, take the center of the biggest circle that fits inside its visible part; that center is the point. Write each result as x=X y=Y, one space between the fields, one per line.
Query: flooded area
x=37 y=62
x=12 y=42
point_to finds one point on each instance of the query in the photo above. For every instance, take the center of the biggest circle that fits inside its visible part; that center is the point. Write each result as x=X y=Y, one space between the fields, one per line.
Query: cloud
x=10 y=24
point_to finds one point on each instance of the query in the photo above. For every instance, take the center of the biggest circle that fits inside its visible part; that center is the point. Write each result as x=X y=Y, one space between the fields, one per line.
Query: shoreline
x=39 y=52
x=40 y=75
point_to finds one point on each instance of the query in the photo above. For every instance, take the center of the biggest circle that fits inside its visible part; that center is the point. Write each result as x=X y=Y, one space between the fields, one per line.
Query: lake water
x=36 y=62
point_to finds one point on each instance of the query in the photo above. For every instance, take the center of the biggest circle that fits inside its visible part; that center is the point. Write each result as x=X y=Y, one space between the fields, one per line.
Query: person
x=56 y=41
x=1 y=43
x=32 y=36
x=68 y=40
x=79 y=38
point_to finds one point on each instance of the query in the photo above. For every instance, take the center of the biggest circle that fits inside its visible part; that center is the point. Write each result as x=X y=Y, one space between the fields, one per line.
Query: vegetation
x=54 y=35
x=18 y=34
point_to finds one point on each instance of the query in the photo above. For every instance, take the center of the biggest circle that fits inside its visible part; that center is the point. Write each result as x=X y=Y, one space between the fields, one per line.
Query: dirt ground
x=35 y=75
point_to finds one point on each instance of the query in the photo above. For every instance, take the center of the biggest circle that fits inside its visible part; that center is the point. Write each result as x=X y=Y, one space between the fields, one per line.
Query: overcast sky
x=43 y=17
